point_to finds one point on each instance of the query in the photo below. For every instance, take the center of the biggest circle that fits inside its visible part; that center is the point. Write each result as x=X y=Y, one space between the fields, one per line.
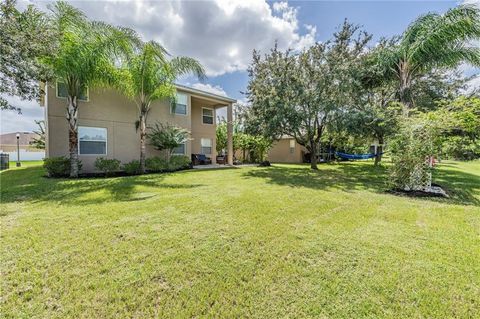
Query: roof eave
x=205 y=94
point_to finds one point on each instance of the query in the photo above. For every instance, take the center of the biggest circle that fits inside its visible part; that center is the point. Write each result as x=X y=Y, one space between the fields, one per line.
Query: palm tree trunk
x=72 y=118
x=405 y=88
x=143 y=135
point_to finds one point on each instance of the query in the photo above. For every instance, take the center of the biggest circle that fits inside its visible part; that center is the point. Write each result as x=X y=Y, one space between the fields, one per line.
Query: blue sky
x=222 y=34
x=379 y=18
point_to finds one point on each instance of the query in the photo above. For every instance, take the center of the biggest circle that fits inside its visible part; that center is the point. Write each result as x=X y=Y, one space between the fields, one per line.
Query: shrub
x=107 y=166
x=58 y=166
x=167 y=137
x=132 y=168
x=411 y=148
x=264 y=164
x=156 y=164
x=177 y=162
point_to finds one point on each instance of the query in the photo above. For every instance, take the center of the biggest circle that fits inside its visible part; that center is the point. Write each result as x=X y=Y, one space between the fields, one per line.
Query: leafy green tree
x=459 y=121
x=299 y=95
x=20 y=48
x=432 y=41
x=221 y=136
x=376 y=112
x=149 y=76
x=85 y=56
x=258 y=147
x=167 y=137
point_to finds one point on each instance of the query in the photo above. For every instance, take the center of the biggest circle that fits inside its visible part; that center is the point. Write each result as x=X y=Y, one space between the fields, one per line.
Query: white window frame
x=292 y=148
x=106 y=141
x=62 y=97
x=211 y=145
x=213 y=115
x=184 y=149
x=172 y=111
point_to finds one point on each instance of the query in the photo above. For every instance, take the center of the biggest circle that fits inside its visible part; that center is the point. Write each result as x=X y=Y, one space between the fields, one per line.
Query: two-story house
x=107 y=123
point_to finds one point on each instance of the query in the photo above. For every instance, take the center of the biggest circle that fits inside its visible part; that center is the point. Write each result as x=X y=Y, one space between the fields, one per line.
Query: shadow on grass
x=346 y=177
x=29 y=184
x=462 y=187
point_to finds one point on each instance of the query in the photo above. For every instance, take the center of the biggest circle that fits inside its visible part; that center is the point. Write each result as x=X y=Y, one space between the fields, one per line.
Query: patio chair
x=201 y=159
x=221 y=159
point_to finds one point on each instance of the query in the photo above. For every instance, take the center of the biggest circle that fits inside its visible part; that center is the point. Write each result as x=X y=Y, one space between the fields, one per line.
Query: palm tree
x=85 y=56
x=149 y=76
x=433 y=41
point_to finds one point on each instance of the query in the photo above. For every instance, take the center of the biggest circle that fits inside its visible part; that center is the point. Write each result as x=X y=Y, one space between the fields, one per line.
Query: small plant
x=165 y=137
x=58 y=166
x=156 y=164
x=107 y=166
x=132 y=168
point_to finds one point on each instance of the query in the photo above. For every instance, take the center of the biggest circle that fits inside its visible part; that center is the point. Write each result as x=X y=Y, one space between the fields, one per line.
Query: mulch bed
x=120 y=174
x=418 y=193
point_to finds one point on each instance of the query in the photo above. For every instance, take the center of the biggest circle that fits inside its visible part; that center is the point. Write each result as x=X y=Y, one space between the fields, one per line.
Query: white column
x=230 y=134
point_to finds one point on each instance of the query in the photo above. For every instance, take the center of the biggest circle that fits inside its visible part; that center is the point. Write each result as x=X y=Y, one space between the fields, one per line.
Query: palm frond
x=186 y=65
x=65 y=15
x=444 y=33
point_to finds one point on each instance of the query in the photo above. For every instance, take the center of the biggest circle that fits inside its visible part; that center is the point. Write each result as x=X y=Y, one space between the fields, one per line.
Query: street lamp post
x=18 y=150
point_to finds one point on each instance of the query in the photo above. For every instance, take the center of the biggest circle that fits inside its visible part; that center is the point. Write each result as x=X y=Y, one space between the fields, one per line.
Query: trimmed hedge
x=178 y=162
x=107 y=166
x=156 y=164
x=132 y=168
x=175 y=163
x=59 y=166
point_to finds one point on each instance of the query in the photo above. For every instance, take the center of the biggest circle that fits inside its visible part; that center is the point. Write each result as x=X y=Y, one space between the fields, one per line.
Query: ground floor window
x=292 y=146
x=92 y=140
x=206 y=146
x=180 y=150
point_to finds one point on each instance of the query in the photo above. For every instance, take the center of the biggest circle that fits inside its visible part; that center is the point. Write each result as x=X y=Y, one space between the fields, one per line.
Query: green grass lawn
x=251 y=242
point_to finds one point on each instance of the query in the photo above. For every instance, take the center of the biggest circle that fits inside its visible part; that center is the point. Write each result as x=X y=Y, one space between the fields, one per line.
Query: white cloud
x=474 y=2
x=215 y=89
x=220 y=34
x=473 y=85
x=11 y=121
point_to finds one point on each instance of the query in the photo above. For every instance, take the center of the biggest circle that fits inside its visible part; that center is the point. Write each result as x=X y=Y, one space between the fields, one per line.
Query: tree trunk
x=405 y=88
x=72 y=118
x=313 y=155
x=143 y=136
x=378 y=155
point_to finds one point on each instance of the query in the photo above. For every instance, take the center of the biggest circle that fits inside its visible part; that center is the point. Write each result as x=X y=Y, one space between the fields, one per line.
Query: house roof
x=205 y=94
x=11 y=138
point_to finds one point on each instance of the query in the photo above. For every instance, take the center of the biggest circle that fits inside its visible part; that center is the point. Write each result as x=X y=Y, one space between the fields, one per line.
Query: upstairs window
x=92 y=140
x=180 y=105
x=207 y=115
x=206 y=146
x=63 y=93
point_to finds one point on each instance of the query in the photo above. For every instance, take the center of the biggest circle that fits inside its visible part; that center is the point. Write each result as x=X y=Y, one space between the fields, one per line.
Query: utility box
x=4 y=161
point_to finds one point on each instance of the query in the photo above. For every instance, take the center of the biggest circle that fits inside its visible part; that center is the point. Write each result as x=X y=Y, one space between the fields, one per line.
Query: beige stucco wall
x=200 y=130
x=109 y=109
x=280 y=152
